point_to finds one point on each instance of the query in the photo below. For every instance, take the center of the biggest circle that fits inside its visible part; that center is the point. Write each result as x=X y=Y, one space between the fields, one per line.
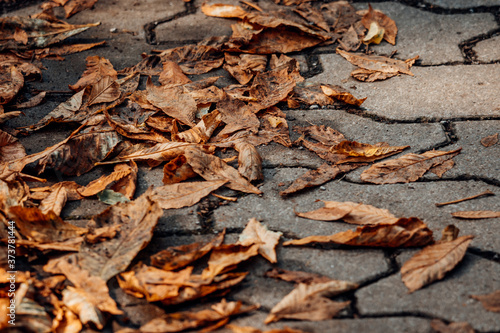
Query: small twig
x=223 y=197
x=485 y=193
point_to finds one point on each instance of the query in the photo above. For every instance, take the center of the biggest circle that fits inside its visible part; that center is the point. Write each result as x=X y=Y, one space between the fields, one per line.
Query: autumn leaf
x=323 y=134
x=227 y=257
x=490 y=302
x=309 y=95
x=211 y=167
x=249 y=161
x=176 y=257
x=490 y=140
x=311 y=14
x=248 y=329
x=382 y=20
x=55 y=201
x=243 y=67
x=218 y=315
x=10 y=148
x=11 y=81
x=310 y=302
x=405 y=232
x=237 y=116
x=177 y=170
x=97 y=68
x=96 y=186
x=350 y=212
x=340 y=94
x=296 y=276
x=40 y=193
x=318 y=176
x=184 y=194
x=433 y=262
x=407 y=168
x=374 y=35
x=223 y=10
x=350 y=40
x=461 y=327
x=104 y=90
x=476 y=214
x=202 y=132
x=32 y=102
x=256 y=233
x=363 y=152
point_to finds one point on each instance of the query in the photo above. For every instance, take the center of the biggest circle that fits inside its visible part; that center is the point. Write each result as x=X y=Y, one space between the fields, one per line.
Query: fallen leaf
x=223 y=10
x=75 y=6
x=11 y=81
x=202 y=132
x=137 y=220
x=226 y=257
x=249 y=161
x=340 y=15
x=55 y=201
x=121 y=171
x=407 y=168
x=184 y=194
x=256 y=233
x=485 y=193
x=449 y=233
x=32 y=102
x=172 y=75
x=296 y=276
x=176 y=257
x=309 y=95
x=103 y=91
x=374 y=35
x=41 y=33
x=211 y=167
x=111 y=197
x=97 y=68
x=318 y=176
x=382 y=20
x=350 y=40
x=323 y=134
x=440 y=327
x=440 y=169
x=340 y=94
x=10 y=148
x=177 y=170
x=310 y=302
x=476 y=214
x=237 y=116
x=180 y=321
x=490 y=302
x=56 y=51
x=490 y=140
x=243 y=67
x=312 y=15
x=363 y=152
x=406 y=232
x=350 y=212
x=433 y=262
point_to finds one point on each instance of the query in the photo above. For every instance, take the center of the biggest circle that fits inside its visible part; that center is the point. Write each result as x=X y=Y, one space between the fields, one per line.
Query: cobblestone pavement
x=452 y=101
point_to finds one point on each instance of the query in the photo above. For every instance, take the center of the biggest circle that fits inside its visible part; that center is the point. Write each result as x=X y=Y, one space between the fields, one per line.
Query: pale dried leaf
x=476 y=214
x=378 y=63
x=223 y=10
x=249 y=161
x=55 y=201
x=227 y=257
x=490 y=140
x=382 y=20
x=490 y=302
x=256 y=233
x=97 y=68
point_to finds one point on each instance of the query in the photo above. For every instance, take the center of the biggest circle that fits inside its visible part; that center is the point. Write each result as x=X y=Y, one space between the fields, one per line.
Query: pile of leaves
x=154 y=114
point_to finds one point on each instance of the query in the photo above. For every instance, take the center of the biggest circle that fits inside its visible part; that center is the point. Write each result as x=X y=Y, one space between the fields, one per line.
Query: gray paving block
x=433 y=37
x=448 y=299
x=406 y=324
x=439 y=92
x=462 y=3
x=487 y=50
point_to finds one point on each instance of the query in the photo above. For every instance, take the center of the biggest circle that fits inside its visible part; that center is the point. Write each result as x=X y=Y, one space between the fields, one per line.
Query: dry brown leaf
x=490 y=140
x=43 y=228
x=449 y=233
x=340 y=94
x=248 y=329
x=490 y=302
x=176 y=257
x=96 y=186
x=350 y=40
x=137 y=220
x=249 y=161
x=97 y=68
x=213 y=318
x=350 y=212
x=318 y=176
x=40 y=32
x=184 y=194
x=389 y=26
x=225 y=257
x=309 y=95
x=405 y=232
x=440 y=169
x=312 y=15
x=211 y=167
x=75 y=6
x=407 y=168
x=223 y=10
x=243 y=67
x=440 y=327
x=103 y=91
x=256 y=233
x=11 y=81
x=323 y=134
x=340 y=15
x=40 y=193
x=476 y=214
x=177 y=170
x=433 y=262
x=310 y=302
x=56 y=52
x=363 y=152
x=237 y=116
x=32 y=102
x=296 y=276
x=10 y=148
x=172 y=75
x=55 y=201
x=202 y=132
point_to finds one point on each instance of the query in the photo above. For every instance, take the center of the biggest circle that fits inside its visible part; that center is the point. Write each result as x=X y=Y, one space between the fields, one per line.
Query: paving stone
x=439 y=92
x=462 y=3
x=487 y=50
x=447 y=299
x=405 y=324
x=475 y=160
x=403 y=200
x=433 y=37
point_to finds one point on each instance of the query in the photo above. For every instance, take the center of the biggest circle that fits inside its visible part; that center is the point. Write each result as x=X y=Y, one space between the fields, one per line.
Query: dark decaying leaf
x=403 y=233
x=490 y=140
x=176 y=257
x=11 y=81
x=311 y=14
x=10 y=148
x=177 y=170
x=296 y=276
x=407 y=168
x=433 y=262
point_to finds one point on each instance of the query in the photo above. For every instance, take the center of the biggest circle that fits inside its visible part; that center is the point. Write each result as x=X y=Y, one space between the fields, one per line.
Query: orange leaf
x=476 y=214
x=227 y=257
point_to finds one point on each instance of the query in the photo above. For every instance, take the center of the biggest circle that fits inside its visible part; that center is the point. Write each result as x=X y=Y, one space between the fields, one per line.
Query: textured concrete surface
x=451 y=102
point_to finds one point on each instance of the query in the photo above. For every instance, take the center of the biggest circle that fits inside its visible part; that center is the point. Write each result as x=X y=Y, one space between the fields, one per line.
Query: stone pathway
x=452 y=101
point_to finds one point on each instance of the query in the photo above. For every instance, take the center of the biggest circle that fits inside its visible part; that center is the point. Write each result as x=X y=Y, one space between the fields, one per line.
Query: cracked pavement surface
x=453 y=101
